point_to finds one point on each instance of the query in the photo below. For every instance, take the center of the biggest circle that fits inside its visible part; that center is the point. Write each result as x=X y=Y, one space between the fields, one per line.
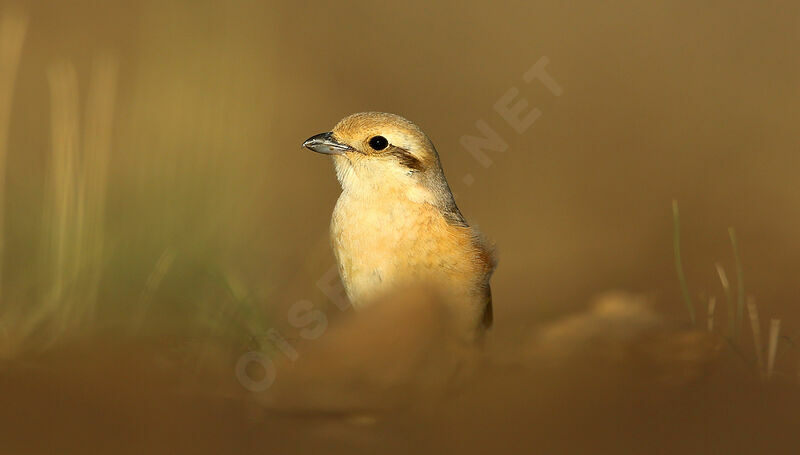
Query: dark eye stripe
x=406 y=159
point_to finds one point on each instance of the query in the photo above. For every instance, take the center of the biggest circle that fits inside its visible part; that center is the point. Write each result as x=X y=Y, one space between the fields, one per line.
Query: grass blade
x=739 y=281
x=752 y=311
x=13 y=26
x=712 y=304
x=676 y=243
x=726 y=288
x=772 y=349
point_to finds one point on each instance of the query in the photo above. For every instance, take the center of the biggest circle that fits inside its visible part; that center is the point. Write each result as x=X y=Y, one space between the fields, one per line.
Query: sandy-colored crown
x=357 y=129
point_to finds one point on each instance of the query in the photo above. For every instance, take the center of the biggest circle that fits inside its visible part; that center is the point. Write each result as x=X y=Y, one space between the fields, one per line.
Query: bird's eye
x=378 y=143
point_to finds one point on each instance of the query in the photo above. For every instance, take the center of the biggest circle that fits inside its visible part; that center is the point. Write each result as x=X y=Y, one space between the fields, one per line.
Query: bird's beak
x=325 y=143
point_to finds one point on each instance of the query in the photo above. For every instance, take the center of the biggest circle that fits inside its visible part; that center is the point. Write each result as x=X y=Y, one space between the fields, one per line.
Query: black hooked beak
x=325 y=143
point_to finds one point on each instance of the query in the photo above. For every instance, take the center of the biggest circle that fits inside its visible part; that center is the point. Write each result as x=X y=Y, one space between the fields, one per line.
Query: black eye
x=378 y=143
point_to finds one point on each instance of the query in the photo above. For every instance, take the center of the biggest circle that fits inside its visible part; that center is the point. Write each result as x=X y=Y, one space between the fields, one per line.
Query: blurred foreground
x=389 y=381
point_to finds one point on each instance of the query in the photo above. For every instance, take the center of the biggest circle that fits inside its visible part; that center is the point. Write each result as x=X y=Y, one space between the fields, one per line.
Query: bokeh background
x=155 y=184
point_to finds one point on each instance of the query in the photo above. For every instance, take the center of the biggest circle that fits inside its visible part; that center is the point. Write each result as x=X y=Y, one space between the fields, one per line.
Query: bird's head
x=379 y=149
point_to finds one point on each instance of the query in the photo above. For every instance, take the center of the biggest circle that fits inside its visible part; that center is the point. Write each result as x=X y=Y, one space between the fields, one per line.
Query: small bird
x=396 y=222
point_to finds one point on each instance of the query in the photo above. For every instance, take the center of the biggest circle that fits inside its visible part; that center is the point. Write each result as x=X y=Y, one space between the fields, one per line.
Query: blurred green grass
x=136 y=217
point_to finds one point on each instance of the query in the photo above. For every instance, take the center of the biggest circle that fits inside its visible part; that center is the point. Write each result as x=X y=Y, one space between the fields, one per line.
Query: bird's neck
x=377 y=183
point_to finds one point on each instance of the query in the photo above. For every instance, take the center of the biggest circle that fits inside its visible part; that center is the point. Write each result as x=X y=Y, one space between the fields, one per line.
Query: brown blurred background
x=208 y=201
x=697 y=102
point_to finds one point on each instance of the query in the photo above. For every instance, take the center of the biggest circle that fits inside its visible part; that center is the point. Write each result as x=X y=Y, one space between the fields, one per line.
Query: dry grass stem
x=676 y=245
x=74 y=226
x=712 y=304
x=772 y=349
x=726 y=288
x=739 y=282
x=151 y=286
x=752 y=311
x=13 y=26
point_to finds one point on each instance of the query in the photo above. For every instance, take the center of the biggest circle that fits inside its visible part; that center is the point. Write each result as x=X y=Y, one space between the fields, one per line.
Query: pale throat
x=373 y=181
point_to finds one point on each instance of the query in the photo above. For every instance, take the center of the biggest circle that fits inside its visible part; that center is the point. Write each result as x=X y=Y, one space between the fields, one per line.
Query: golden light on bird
x=396 y=224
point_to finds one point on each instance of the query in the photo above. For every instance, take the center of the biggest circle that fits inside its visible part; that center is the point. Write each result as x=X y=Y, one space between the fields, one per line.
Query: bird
x=396 y=222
